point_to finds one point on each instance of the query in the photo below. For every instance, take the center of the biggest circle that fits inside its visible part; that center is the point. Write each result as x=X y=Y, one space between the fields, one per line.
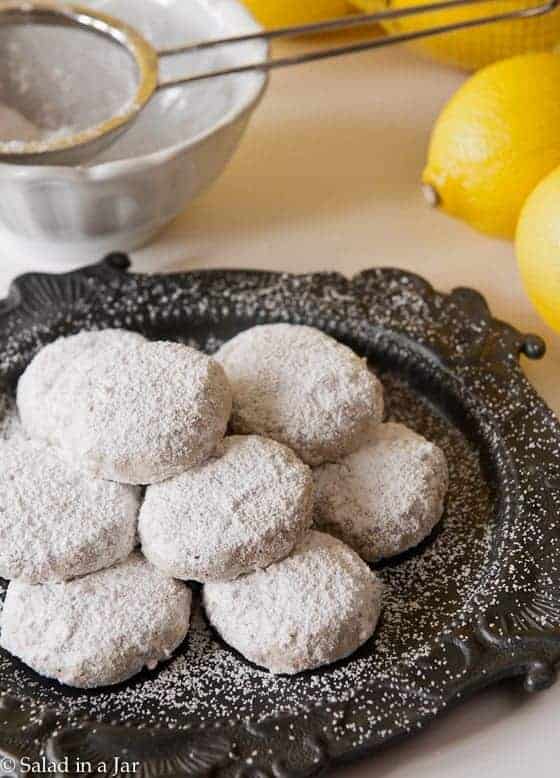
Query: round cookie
x=243 y=509
x=137 y=412
x=386 y=497
x=314 y=607
x=46 y=374
x=299 y=386
x=100 y=629
x=55 y=522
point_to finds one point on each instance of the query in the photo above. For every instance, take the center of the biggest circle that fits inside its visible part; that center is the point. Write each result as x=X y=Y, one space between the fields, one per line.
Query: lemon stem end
x=431 y=195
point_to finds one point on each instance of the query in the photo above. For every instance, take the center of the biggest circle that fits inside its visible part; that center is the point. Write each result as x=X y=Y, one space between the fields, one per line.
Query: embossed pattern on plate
x=477 y=602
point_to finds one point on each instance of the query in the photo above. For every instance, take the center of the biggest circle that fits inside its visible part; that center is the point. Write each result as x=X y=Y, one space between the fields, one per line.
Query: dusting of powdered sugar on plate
x=462 y=609
x=425 y=590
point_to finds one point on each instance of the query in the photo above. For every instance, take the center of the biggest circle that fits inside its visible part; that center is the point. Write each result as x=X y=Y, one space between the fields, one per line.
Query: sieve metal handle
x=349 y=22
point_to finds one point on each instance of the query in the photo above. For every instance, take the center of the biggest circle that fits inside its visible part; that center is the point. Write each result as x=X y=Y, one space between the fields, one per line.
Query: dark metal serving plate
x=479 y=601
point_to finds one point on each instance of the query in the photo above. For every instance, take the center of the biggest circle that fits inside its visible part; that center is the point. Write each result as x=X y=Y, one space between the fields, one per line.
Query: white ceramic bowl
x=178 y=146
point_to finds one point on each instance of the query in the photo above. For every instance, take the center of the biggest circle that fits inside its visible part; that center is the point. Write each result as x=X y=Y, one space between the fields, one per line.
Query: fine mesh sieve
x=82 y=110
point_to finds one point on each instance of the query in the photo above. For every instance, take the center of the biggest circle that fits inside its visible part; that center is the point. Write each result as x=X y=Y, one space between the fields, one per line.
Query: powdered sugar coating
x=100 y=629
x=312 y=608
x=41 y=388
x=134 y=411
x=55 y=522
x=386 y=497
x=299 y=386
x=243 y=509
x=207 y=682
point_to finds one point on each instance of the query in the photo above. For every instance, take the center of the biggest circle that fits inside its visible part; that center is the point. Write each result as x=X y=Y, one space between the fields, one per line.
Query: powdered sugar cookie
x=386 y=497
x=299 y=386
x=138 y=412
x=100 y=629
x=41 y=388
x=243 y=509
x=55 y=522
x=312 y=608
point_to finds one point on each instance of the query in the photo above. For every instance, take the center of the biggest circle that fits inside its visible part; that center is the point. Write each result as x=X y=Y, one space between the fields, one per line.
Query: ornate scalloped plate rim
x=486 y=652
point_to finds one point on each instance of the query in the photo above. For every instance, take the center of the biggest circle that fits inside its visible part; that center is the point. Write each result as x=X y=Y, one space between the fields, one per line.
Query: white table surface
x=327 y=179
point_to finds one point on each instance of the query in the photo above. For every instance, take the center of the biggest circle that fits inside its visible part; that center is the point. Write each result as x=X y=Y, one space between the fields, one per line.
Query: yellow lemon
x=498 y=136
x=473 y=48
x=279 y=13
x=537 y=245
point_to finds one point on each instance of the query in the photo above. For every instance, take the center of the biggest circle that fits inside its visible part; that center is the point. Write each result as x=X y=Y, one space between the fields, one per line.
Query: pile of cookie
x=266 y=473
